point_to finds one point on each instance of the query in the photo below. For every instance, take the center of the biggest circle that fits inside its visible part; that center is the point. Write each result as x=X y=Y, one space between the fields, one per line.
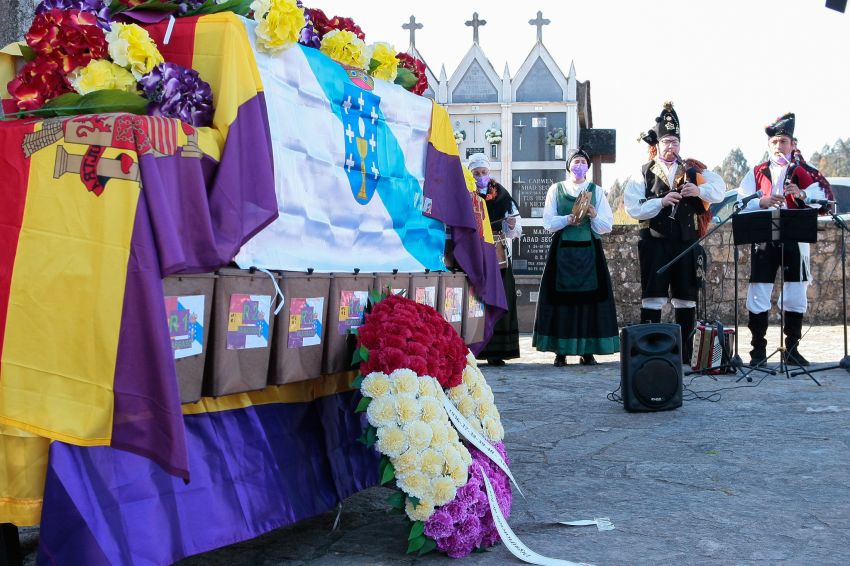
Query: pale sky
x=729 y=67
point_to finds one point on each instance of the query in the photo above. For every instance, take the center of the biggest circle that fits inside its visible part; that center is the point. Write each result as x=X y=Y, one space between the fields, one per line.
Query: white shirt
x=601 y=224
x=641 y=208
x=777 y=177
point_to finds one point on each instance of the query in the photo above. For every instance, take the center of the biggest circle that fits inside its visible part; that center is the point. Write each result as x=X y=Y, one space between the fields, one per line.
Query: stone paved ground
x=760 y=477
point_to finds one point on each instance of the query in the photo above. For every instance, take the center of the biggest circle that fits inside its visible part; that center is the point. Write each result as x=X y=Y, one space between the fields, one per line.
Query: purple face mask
x=579 y=170
x=482 y=181
x=781 y=160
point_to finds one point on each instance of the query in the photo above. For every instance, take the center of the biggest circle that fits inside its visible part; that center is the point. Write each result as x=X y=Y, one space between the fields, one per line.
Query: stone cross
x=539 y=22
x=412 y=25
x=474 y=122
x=475 y=23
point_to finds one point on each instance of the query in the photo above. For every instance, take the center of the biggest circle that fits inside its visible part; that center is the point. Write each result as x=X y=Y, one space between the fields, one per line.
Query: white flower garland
x=474 y=399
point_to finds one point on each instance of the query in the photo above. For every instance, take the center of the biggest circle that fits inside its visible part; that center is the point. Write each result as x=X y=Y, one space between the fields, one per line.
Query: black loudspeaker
x=651 y=367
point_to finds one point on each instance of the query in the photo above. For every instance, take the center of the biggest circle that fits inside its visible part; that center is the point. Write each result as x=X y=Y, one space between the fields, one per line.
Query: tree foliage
x=833 y=161
x=733 y=168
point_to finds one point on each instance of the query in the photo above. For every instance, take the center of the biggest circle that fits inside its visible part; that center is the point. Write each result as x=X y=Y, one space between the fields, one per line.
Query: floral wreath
x=493 y=135
x=439 y=479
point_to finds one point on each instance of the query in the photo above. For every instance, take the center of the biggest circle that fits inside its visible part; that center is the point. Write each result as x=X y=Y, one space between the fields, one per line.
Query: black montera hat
x=782 y=126
x=667 y=124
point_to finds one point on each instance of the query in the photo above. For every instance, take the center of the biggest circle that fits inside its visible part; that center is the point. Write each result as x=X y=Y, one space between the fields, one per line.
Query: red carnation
x=400 y=333
x=322 y=24
x=69 y=37
x=39 y=80
x=417 y=67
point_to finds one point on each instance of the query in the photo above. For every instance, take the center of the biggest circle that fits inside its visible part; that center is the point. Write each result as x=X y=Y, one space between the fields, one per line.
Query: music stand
x=845 y=361
x=786 y=226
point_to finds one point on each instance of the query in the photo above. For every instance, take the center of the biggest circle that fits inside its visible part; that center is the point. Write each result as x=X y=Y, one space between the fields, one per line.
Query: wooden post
x=10 y=546
x=596 y=161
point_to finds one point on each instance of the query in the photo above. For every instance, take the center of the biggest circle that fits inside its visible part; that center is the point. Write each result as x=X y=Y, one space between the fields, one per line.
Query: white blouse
x=601 y=224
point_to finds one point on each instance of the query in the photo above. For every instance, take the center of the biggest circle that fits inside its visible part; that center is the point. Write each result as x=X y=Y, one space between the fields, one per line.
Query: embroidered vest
x=685 y=226
x=764 y=183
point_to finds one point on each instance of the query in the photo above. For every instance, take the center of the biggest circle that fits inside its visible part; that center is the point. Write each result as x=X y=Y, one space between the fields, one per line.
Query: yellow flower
x=439 y=435
x=483 y=410
x=407 y=463
x=452 y=455
x=346 y=48
x=455 y=394
x=492 y=429
x=482 y=393
x=444 y=490
x=470 y=359
x=375 y=385
x=405 y=382
x=382 y=412
x=427 y=387
x=432 y=462
x=469 y=377
x=280 y=23
x=465 y=456
x=101 y=74
x=391 y=441
x=408 y=410
x=459 y=475
x=131 y=47
x=466 y=406
x=418 y=435
x=421 y=512
x=432 y=411
x=382 y=61
x=416 y=484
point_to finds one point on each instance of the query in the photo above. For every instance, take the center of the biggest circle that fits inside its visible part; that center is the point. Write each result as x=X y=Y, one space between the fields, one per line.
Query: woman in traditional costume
x=576 y=314
x=506 y=225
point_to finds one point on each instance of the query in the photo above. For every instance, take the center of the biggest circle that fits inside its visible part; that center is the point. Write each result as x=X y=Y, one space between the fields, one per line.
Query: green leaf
x=396 y=500
x=27 y=52
x=364 y=353
x=363 y=405
x=479 y=550
x=375 y=296
x=363 y=438
x=356 y=358
x=358 y=381
x=416 y=530
x=388 y=473
x=371 y=436
x=373 y=64
x=240 y=7
x=413 y=500
x=71 y=103
x=416 y=544
x=429 y=546
x=405 y=78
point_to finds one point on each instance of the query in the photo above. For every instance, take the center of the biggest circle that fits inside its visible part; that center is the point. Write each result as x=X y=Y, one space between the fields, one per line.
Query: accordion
x=713 y=346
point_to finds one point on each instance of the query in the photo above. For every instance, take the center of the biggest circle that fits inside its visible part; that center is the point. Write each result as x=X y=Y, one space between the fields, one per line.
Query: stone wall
x=15 y=20
x=621 y=251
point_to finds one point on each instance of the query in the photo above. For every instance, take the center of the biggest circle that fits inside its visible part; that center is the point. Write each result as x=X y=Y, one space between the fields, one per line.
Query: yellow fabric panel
x=10 y=58
x=224 y=58
x=23 y=467
x=442 y=135
x=66 y=300
x=298 y=392
x=479 y=210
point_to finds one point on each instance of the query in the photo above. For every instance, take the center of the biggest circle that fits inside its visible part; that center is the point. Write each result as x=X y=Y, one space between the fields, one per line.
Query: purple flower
x=439 y=525
x=184 y=6
x=177 y=92
x=309 y=36
x=466 y=522
x=99 y=8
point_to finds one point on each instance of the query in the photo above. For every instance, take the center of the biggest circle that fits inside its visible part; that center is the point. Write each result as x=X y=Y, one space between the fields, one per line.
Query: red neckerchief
x=491 y=191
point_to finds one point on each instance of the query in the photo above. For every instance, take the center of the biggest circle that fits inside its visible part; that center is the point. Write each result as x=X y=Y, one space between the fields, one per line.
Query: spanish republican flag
x=96 y=210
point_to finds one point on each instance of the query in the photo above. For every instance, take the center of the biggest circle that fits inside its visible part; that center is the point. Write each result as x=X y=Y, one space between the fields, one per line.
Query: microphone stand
x=735 y=362
x=845 y=361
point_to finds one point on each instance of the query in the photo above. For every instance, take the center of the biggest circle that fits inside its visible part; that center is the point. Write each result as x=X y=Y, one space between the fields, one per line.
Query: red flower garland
x=400 y=333
x=70 y=37
x=417 y=67
x=38 y=81
x=322 y=24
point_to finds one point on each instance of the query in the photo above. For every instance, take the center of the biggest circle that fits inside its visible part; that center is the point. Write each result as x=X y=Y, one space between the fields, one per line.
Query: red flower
x=39 y=80
x=400 y=333
x=69 y=37
x=417 y=67
x=322 y=24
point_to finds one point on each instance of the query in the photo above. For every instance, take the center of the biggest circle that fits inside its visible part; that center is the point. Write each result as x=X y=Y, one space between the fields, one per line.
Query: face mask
x=781 y=160
x=579 y=170
x=482 y=182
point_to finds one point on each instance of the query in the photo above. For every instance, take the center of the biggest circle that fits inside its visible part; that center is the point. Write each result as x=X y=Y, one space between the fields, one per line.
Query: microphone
x=820 y=201
x=753 y=196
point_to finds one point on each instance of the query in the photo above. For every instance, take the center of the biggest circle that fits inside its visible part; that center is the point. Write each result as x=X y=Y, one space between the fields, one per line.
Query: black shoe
x=757 y=358
x=588 y=360
x=560 y=361
x=495 y=362
x=795 y=358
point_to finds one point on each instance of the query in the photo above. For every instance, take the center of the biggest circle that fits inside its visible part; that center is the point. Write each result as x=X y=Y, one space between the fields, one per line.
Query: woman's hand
x=591 y=211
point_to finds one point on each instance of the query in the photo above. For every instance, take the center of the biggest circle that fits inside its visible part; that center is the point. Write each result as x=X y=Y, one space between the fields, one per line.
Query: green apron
x=576 y=254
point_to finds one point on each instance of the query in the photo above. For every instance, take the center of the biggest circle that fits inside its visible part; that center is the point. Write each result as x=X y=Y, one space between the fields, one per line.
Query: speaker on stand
x=651 y=367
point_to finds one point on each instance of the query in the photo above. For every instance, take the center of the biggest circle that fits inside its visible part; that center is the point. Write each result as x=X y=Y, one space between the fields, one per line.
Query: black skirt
x=576 y=323
x=504 y=344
